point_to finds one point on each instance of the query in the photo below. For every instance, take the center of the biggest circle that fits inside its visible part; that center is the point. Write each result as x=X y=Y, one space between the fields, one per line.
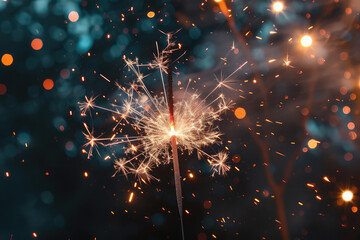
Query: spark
x=287 y=62
x=145 y=117
x=131 y=197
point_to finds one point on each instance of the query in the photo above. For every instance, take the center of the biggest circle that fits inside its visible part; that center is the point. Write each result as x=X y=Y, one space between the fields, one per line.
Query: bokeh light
x=37 y=44
x=7 y=59
x=3 y=89
x=278 y=6
x=73 y=16
x=306 y=41
x=48 y=84
x=151 y=14
x=240 y=113
x=347 y=195
x=312 y=143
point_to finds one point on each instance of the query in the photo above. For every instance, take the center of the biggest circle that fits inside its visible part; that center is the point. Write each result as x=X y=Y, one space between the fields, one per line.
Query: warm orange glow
x=48 y=84
x=312 y=143
x=306 y=41
x=346 y=110
x=3 y=89
x=37 y=44
x=7 y=59
x=207 y=204
x=191 y=175
x=151 y=14
x=347 y=196
x=86 y=174
x=73 y=16
x=34 y=235
x=240 y=113
x=7 y=174
x=350 y=125
x=354 y=209
x=236 y=158
x=223 y=8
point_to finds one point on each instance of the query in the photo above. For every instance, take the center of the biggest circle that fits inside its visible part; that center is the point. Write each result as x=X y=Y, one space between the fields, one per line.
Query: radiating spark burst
x=148 y=115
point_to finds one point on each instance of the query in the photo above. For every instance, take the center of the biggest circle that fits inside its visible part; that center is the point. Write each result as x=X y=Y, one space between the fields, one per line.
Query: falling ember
x=131 y=197
x=326 y=179
x=347 y=195
x=7 y=174
x=310 y=185
x=34 y=235
x=86 y=174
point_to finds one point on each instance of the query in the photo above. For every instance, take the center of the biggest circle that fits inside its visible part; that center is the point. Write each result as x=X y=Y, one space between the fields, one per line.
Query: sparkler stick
x=153 y=119
x=174 y=145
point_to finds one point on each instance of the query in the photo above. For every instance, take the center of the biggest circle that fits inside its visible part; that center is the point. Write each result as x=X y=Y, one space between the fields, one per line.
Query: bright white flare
x=306 y=41
x=347 y=196
x=277 y=6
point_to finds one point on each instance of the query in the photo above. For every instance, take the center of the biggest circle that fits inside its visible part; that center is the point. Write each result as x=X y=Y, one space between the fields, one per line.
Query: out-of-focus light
x=207 y=204
x=48 y=84
x=37 y=44
x=346 y=109
x=240 y=113
x=347 y=196
x=73 y=16
x=7 y=59
x=150 y=14
x=3 y=89
x=217 y=0
x=312 y=143
x=354 y=209
x=278 y=6
x=306 y=41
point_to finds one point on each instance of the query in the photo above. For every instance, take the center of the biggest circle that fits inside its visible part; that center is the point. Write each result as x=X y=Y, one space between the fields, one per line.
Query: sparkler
x=162 y=127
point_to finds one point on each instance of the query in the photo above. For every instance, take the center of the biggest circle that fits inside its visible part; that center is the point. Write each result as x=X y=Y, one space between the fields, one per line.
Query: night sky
x=291 y=131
